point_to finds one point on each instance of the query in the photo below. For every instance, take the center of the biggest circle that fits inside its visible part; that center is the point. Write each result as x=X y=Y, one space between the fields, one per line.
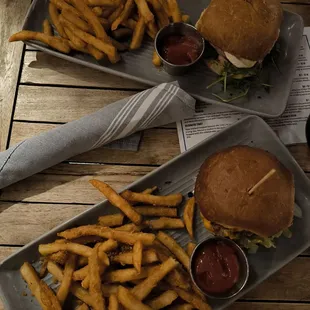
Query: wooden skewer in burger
x=247 y=195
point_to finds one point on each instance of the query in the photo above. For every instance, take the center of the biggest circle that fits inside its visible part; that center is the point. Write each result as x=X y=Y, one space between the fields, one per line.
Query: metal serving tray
x=137 y=65
x=178 y=175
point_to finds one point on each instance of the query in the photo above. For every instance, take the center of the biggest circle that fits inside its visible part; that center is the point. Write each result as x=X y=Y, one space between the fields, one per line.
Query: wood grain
x=10 y=59
x=157 y=146
x=69 y=183
x=62 y=104
x=42 y=68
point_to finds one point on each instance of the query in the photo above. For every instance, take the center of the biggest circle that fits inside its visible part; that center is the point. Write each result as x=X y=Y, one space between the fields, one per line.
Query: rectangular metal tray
x=179 y=175
x=137 y=65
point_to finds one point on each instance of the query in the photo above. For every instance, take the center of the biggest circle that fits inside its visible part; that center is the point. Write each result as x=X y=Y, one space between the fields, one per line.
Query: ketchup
x=180 y=50
x=216 y=267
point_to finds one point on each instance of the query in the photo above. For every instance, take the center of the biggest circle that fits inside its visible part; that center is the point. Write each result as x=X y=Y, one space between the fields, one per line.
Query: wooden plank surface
x=10 y=58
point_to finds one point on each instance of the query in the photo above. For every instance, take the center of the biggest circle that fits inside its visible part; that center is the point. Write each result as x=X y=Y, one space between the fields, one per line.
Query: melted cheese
x=240 y=62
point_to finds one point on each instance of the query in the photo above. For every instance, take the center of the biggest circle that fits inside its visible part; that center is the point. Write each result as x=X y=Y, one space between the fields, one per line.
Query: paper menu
x=290 y=127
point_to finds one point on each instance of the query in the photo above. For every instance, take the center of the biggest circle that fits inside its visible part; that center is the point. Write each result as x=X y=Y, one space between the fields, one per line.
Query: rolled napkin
x=163 y=104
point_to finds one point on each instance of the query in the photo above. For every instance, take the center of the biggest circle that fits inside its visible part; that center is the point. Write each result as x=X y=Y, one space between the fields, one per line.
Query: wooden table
x=40 y=92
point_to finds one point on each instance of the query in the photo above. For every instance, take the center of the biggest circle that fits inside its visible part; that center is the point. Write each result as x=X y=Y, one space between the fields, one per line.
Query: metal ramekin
x=243 y=262
x=177 y=29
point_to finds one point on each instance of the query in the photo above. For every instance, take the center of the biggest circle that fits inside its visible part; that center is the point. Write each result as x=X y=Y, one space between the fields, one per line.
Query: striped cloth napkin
x=163 y=104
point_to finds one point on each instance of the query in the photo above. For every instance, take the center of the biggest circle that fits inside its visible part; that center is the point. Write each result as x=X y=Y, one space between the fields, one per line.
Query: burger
x=242 y=32
x=237 y=200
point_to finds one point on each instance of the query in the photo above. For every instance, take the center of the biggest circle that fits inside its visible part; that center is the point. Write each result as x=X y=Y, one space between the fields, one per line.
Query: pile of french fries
x=112 y=265
x=103 y=28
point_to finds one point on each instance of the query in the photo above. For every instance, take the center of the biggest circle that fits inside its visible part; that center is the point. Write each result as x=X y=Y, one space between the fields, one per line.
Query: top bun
x=244 y=28
x=222 y=186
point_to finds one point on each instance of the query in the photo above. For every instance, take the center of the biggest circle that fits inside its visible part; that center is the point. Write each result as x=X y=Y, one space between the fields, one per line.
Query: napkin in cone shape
x=163 y=104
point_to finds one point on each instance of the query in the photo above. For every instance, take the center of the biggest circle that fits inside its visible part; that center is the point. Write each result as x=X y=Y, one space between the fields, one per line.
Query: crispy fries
x=192 y=299
x=78 y=43
x=175 y=248
x=143 y=289
x=117 y=201
x=52 y=9
x=144 y=11
x=148 y=257
x=47 y=29
x=129 y=6
x=63 y=290
x=165 y=223
x=131 y=227
x=169 y=200
x=137 y=255
x=62 y=5
x=116 y=14
x=33 y=281
x=59 y=257
x=129 y=301
x=157 y=211
x=97 y=10
x=76 y=20
x=113 y=302
x=174 y=11
x=109 y=289
x=156 y=60
x=111 y=220
x=98 y=55
x=54 y=42
x=108 y=3
x=82 y=307
x=188 y=216
x=48 y=297
x=190 y=248
x=75 y=288
x=137 y=36
x=79 y=249
x=185 y=18
x=95 y=281
x=163 y=300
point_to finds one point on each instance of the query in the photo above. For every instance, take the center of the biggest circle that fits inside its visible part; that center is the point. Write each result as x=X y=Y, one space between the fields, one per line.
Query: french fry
x=43 y=268
x=156 y=60
x=117 y=201
x=95 y=52
x=105 y=232
x=175 y=248
x=75 y=288
x=131 y=24
x=75 y=248
x=190 y=248
x=86 y=281
x=62 y=5
x=59 y=257
x=91 y=18
x=126 y=258
x=165 y=7
x=30 y=276
x=163 y=300
x=131 y=227
x=192 y=299
x=75 y=40
x=97 y=10
x=144 y=11
x=109 y=289
x=54 y=15
x=82 y=261
x=104 y=3
x=165 y=223
x=152 y=29
x=48 y=297
x=113 y=302
x=155 y=4
x=47 y=28
x=86 y=239
x=128 y=274
x=137 y=255
x=188 y=216
x=113 y=16
x=128 y=8
x=174 y=11
x=143 y=289
x=169 y=200
x=104 y=47
x=119 y=46
x=82 y=307
x=182 y=307
x=157 y=211
x=54 y=42
x=111 y=220
x=64 y=287
x=76 y=20
x=107 y=246
x=129 y=301
x=121 y=33
x=95 y=281
x=185 y=18
x=107 y=12
x=163 y=19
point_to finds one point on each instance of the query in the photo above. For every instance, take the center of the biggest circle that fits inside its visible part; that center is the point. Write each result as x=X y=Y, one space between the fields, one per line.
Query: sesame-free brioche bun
x=244 y=28
x=222 y=186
